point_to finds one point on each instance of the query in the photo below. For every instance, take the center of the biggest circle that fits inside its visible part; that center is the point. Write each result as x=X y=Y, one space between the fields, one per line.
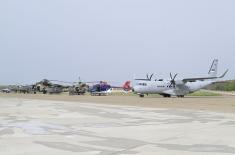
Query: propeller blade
x=175 y=76
x=151 y=77
x=173 y=80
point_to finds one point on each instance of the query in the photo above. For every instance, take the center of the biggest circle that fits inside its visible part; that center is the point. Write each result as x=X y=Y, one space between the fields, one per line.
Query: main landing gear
x=180 y=96
x=166 y=95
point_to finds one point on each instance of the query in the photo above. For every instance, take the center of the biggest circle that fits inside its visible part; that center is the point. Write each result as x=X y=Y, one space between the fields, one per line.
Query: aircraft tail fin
x=127 y=86
x=213 y=69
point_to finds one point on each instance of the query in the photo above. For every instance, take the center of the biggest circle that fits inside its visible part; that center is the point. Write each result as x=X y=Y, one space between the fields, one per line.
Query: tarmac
x=49 y=127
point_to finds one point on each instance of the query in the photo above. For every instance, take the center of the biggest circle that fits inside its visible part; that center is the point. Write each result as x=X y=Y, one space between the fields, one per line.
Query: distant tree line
x=223 y=86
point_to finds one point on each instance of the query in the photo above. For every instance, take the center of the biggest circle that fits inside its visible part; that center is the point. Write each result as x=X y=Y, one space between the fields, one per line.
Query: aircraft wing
x=142 y=79
x=203 y=78
x=197 y=79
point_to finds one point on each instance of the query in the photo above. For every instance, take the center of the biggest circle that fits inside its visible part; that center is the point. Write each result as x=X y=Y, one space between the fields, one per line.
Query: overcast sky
x=114 y=39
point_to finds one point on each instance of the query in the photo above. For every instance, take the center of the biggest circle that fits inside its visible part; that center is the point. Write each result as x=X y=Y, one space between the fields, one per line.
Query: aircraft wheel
x=166 y=95
x=180 y=96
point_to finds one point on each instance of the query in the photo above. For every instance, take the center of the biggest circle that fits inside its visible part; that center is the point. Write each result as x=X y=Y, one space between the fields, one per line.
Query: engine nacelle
x=179 y=82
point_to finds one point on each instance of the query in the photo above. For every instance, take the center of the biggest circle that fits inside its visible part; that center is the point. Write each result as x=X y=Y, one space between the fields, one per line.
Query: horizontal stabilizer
x=222 y=76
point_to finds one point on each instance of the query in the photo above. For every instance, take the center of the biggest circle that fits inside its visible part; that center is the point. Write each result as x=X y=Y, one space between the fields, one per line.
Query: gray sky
x=113 y=40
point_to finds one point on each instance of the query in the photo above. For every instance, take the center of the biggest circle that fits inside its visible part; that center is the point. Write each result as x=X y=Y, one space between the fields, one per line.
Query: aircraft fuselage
x=165 y=87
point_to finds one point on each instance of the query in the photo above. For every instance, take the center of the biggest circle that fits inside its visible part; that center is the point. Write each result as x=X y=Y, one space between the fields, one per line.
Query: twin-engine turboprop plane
x=173 y=87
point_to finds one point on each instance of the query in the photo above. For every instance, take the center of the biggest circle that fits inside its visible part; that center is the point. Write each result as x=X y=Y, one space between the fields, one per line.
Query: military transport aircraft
x=173 y=87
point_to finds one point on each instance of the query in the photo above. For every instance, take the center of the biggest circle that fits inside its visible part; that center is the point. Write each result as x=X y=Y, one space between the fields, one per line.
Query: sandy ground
x=225 y=103
x=35 y=127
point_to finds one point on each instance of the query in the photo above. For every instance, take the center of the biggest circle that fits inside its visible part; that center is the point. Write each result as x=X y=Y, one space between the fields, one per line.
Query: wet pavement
x=33 y=127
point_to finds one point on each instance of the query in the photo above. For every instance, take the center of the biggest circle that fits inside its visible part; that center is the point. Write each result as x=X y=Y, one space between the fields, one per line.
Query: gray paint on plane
x=178 y=88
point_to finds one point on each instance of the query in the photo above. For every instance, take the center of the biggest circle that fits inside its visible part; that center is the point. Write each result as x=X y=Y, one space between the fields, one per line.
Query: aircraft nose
x=135 y=89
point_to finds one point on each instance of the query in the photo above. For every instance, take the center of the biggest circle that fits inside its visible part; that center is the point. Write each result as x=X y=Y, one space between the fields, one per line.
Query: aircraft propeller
x=173 y=80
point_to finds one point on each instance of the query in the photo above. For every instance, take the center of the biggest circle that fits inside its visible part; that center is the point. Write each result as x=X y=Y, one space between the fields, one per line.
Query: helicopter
x=100 y=89
x=50 y=86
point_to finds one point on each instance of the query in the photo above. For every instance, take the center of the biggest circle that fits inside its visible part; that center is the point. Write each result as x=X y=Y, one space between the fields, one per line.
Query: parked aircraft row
x=74 y=88
x=142 y=86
